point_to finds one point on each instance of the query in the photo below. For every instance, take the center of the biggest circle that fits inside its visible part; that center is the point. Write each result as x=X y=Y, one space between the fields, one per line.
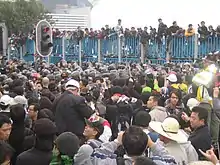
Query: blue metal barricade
x=30 y=50
x=182 y=47
x=156 y=49
x=110 y=49
x=56 y=55
x=89 y=49
x=207 y=45
x=71 y=47
x=131 y=49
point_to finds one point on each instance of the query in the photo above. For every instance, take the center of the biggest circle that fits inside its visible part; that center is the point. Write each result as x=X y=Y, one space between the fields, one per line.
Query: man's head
x=38 y=86
x=174 y=97
x=5 y=127
x=134 y=141
x=94 y=128
x=33 y=110
x=160 y=20
x=17 y=113
x=198 y=117
x=145 y=97
x=203 y=23
x=153 y=101
x=73 y=86
x=142 y=119
x=45 y=82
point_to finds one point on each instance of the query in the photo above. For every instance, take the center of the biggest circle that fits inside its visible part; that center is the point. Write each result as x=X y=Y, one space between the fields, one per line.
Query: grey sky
x=140 y=13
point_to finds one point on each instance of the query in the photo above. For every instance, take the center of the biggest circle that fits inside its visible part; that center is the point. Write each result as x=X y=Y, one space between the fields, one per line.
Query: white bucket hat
x=169 y=129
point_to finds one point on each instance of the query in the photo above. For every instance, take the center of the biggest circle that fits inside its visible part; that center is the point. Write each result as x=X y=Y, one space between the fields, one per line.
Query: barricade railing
x=114 y=48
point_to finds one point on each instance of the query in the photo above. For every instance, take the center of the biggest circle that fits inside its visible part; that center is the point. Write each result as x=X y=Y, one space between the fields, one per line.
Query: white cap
x=192 y=103
x=172 y=78
x=72 y=83
x=5 y=100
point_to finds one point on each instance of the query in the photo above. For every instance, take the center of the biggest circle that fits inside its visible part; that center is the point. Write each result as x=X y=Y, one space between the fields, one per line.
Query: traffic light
x=44 y=40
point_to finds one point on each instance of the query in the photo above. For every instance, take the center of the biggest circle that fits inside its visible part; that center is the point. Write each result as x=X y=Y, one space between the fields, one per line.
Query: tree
x=21 y=15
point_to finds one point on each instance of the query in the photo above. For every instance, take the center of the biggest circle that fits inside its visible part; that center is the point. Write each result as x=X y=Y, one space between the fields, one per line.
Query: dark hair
x=17 y=113
x=19 y=90
x=141 y=160
x=202 y=113
x=4 y=119
x=6 y=151
x=142 y=119
x=145 y=97
x=177 y=93
x=52 y=86
x=36 y=107
x=33 y=100
x=134 y=141
x=45 y=113
x=156 y=97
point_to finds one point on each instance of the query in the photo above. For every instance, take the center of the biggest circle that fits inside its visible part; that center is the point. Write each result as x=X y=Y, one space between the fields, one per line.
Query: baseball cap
x=172 y=78
x=95 y=122
x=192 y=102
x=72 y=83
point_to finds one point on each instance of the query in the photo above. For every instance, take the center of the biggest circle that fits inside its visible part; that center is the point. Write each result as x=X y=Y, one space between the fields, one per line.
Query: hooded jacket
x=158 y=114
x=104 y=155
x=85 y=151
x=40 y=154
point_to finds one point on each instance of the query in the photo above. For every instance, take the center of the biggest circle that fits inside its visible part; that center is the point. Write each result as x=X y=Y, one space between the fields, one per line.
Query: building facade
x=69 y=14
x=70 y=17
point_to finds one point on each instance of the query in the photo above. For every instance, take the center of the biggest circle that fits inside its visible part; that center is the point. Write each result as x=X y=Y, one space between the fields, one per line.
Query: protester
x=66 y=146
x=200 y=137
x=5 y=127
x=41 y=153
x=171 y=137
x=70 y=110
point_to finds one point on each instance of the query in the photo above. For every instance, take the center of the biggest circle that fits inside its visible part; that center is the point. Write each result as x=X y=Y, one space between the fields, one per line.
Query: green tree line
x=21 y=15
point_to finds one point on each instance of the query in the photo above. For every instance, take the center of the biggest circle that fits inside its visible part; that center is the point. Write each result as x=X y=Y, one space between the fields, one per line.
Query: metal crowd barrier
x=114 y=48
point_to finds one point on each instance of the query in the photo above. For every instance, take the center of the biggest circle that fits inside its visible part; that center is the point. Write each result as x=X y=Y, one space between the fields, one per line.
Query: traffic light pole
x=44 y=39
x=4 y=39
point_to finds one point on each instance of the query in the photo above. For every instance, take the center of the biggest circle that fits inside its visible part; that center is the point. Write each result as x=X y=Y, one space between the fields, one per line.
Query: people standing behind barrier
x=190 y=31
x=203 y=31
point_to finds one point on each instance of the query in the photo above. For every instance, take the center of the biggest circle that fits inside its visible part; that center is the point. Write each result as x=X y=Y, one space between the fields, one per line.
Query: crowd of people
x=145 y=33
x=117 y=114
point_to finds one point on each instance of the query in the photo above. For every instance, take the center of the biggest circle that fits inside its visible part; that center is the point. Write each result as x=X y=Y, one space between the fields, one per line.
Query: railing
x=126 y=49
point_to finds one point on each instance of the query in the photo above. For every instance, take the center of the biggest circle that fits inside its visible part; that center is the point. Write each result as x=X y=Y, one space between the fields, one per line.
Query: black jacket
x=201 y=139
x=16 y=139
x=70 y=113
x=40 y=154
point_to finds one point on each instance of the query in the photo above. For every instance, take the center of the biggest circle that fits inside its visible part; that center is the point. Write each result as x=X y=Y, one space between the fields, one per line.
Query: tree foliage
x=21 y=15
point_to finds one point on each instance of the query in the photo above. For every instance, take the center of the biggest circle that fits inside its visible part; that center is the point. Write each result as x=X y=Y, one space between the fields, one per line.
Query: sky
x=140 y=13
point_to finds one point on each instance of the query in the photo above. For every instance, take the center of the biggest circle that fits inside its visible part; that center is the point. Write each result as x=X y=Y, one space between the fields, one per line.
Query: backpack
x=124 y=115
x=101 y=108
